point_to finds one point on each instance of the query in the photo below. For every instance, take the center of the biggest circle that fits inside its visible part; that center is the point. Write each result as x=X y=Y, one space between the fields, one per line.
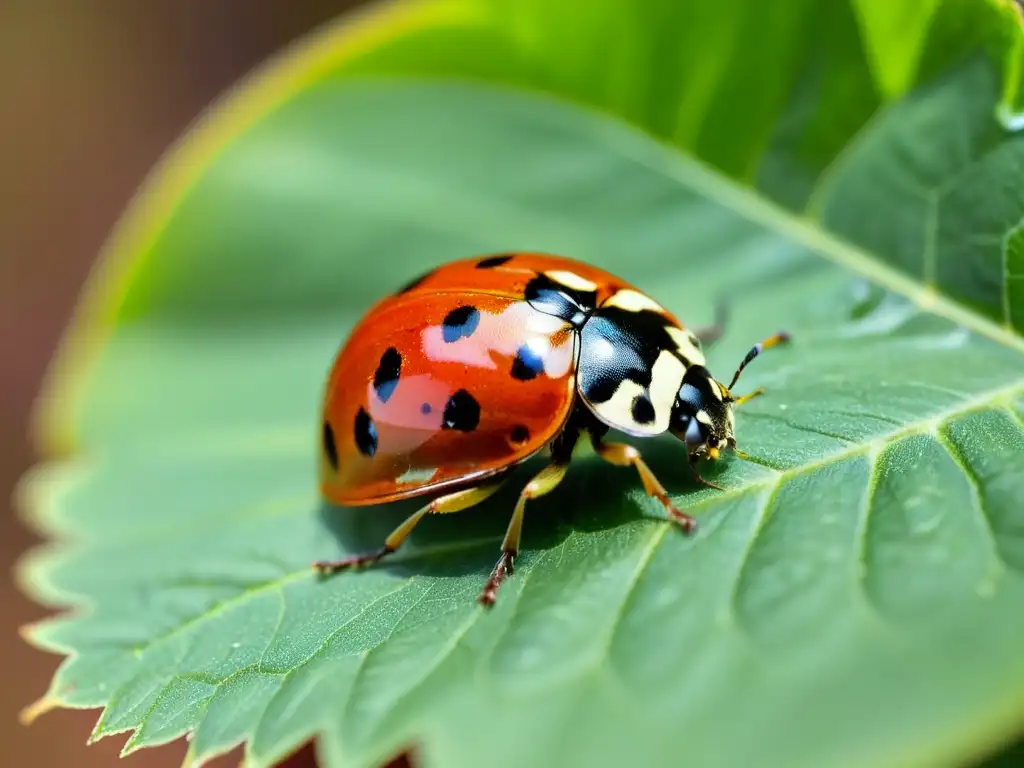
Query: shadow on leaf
x=593 y=497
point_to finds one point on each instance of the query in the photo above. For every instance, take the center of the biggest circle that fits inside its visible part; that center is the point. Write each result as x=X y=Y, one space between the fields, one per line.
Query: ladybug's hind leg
x=624 y=455
x=543 y=482
x=709 y=334
x=452 y=502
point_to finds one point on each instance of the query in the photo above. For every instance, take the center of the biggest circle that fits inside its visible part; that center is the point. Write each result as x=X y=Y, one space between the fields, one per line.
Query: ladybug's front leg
x=452 y=502
x=624 y=455
x=543 y=482
x=701 y=480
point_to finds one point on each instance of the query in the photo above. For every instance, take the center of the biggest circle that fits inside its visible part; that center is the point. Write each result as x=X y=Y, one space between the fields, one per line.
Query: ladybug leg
x=452 y=502
x=701 y=480
x=624 y=455
x=749 y=396
x=709 y=334
x=543 y=482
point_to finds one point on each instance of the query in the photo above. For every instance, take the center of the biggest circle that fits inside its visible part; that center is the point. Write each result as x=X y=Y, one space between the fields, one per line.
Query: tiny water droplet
x=926 y=525
x=236 y=645
x=986 y=588
x=530 y=658
x=783 y=406
x=665 y=597
x=1010 y=121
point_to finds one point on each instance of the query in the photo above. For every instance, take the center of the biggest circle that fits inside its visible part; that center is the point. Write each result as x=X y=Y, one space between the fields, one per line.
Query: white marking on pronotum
x=666 y=378
x=633 y=301
x=571 y=280
x=684 y=341
x=717 y=390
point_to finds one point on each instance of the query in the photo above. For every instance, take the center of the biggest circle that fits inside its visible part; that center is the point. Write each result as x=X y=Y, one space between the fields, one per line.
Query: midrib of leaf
x=932 y=424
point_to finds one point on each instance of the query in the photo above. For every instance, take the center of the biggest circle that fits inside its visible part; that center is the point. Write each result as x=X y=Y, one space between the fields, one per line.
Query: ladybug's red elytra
x=480 y=364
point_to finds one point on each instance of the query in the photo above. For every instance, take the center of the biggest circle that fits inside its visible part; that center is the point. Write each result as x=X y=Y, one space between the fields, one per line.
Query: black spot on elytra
x=519 y=434
x=494 y=261
x=386 y=377
x=365 y=433
x=553 y=298
x=527 y=364
x=461 y=412
x=425 y=409
x=460 y=323
x=414 y=282
x=643 y=409
x=330 y=447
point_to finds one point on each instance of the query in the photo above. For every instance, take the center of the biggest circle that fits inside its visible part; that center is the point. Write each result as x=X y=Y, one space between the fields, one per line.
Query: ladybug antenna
x=779 y=338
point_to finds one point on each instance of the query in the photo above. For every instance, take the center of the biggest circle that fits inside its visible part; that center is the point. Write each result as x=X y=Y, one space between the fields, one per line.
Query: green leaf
x=856 y=596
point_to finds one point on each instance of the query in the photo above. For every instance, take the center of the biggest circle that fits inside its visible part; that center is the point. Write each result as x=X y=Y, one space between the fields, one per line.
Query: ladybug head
x=702 y=415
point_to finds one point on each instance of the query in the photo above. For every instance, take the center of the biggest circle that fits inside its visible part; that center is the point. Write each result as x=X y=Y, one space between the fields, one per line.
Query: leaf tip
x=133 y=744
x=28 y=632
x=36 y=709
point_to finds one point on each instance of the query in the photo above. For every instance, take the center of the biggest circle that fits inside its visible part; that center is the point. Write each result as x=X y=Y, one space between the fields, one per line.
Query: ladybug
x=476 y=366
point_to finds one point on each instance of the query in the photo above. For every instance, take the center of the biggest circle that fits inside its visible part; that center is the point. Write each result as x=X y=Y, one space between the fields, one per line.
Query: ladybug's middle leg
x=543 y=482
x=624 y=455
x=452 y=502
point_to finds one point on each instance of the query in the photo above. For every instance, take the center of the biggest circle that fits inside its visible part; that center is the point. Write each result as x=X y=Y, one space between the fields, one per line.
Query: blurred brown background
x=92 y=92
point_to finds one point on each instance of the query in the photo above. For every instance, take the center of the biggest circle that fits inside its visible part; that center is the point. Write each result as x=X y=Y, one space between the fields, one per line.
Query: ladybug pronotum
x=451 y=383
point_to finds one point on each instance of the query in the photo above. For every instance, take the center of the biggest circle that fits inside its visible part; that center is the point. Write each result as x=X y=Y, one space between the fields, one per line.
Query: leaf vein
x=862 y=415
x=845 y=439
x=860 y=576
x=763 y=515
x=986 y=399
x=646 y=553
x=357 y=673
x=282 y=609
x=979 y=507
x=1015 y=416
x=305 y=573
